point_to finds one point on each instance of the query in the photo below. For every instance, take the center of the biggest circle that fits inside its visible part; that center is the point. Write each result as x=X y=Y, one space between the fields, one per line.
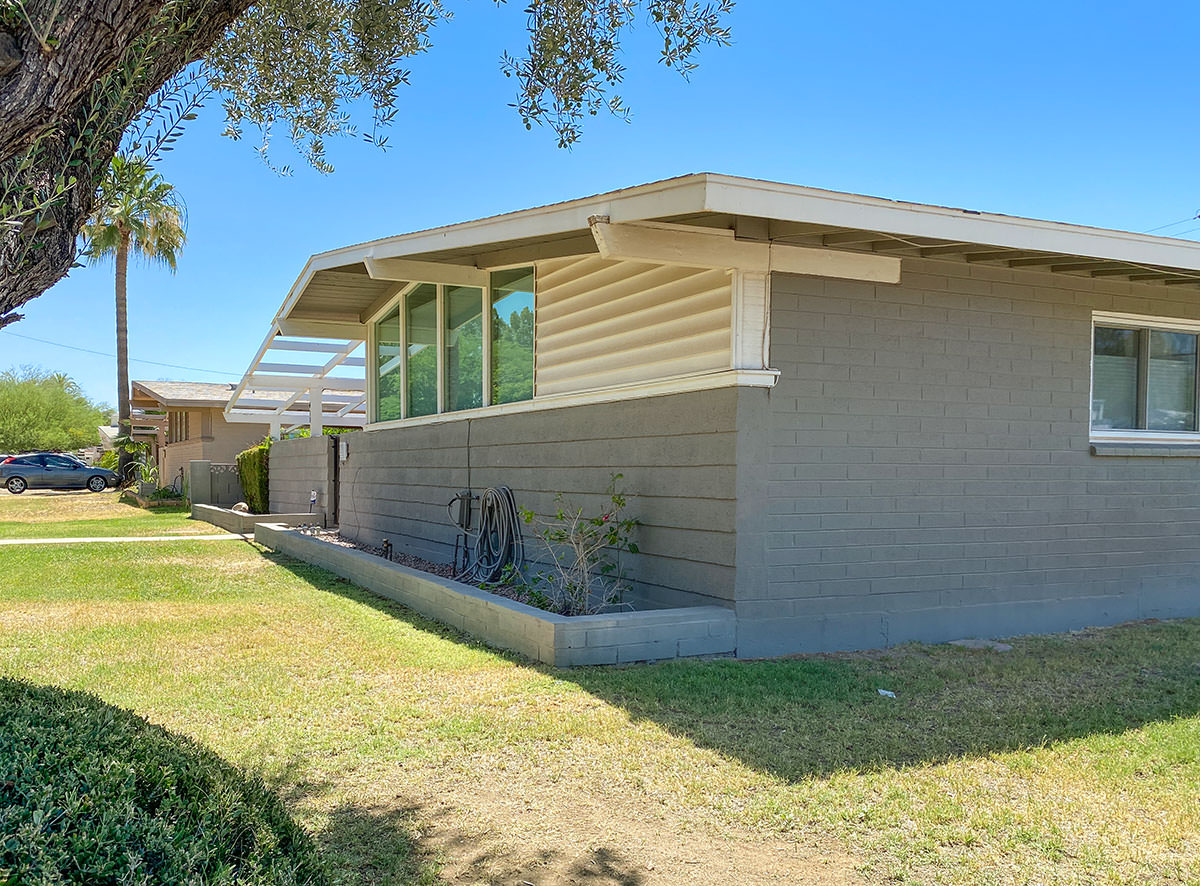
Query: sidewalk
x=122 y=538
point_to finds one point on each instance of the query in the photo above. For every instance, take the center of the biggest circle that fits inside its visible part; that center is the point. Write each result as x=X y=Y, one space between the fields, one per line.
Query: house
x=190 y=422
x=854 y=422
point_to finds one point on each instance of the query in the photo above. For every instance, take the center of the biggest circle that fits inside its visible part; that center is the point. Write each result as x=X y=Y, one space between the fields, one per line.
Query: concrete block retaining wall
x=235 y=521
x=557 y=640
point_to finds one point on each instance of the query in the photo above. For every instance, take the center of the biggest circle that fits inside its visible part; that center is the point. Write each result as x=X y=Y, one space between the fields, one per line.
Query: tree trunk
x=124 y=422
x=64 y=108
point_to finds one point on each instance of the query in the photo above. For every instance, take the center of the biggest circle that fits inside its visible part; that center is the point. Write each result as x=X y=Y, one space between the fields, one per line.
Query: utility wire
x=1172 y=224
x=59 y=344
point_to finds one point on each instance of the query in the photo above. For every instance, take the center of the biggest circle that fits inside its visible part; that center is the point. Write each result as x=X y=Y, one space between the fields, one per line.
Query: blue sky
x=1075 y=112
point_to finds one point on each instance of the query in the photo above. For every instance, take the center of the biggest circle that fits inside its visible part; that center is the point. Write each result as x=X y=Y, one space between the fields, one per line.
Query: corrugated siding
x=603 y=323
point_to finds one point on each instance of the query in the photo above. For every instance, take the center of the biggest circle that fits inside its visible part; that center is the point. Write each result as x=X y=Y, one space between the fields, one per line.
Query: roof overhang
x=349 y=284
x=803 y=230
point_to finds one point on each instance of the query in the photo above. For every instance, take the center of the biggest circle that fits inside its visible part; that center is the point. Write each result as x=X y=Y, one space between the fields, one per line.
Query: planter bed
x=558 y=640
x=236 y=521
x=130 y=497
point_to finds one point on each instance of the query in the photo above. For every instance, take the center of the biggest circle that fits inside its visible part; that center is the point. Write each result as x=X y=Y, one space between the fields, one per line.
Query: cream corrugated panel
x=603 y=323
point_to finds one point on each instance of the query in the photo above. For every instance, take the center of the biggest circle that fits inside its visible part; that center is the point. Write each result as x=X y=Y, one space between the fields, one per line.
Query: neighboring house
x=856 y=422
x=191 y=424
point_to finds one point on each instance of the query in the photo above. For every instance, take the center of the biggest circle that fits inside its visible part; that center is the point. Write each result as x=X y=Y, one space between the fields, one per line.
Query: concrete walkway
x=122 y=538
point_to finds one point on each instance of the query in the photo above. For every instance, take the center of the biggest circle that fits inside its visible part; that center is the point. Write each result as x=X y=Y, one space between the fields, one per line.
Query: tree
x=46 y=410
x=135 y=210
x=80 y=77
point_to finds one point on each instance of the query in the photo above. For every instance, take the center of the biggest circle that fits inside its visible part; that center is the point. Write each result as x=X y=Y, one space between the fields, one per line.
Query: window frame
x=398 y=299
x=1144 y=324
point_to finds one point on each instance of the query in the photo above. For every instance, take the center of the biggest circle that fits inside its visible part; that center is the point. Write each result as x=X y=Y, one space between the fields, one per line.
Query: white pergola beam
x=249 y=416
x=319 y=347
x=342 y=329
x=299 y=384
x=692 y=248
x=299 y=368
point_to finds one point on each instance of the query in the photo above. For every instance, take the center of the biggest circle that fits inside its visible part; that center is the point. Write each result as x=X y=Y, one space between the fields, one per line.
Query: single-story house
x=191 y=424
x=855 y=422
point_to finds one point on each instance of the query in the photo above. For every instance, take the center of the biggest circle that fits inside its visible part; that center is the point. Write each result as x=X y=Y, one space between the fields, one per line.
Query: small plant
x=143 y=469
x=585 y=553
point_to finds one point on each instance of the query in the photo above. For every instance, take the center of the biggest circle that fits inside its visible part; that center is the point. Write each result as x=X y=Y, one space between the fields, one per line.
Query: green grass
x=91 y=515
x=1072 y=759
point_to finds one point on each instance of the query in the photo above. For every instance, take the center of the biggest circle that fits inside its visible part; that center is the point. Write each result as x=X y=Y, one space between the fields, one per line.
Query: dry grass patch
x=403 y=746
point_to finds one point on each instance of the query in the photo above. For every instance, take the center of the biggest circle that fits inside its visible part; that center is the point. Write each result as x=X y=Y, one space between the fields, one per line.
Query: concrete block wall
x=925 y=471
x=677 y=454
x=297 y=467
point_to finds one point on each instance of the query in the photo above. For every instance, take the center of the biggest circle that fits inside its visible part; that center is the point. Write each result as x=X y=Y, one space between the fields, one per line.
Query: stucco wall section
x=929 y=474
x=296 y=468
x=677 y=455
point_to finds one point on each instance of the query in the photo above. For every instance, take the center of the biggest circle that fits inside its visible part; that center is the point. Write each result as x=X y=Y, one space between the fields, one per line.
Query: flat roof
x=336 y=294
x=335 y=284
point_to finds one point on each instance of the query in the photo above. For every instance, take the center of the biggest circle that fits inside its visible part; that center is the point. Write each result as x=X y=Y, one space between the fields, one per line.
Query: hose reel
x=483 y=554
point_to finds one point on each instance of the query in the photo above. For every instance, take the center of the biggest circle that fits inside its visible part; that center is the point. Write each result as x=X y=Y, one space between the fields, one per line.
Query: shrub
x=90 y=793
x=584 y=553
x=253 y=468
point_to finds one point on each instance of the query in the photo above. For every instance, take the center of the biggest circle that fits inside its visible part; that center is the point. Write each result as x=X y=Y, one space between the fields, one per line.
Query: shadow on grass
x=815 y=715
x=408 y=845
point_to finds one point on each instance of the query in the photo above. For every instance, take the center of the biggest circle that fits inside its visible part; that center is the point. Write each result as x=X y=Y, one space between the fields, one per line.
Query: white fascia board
x=795 y=203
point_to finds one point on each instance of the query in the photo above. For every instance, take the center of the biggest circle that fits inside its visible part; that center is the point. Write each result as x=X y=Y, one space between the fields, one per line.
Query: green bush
x=93 y=794
x=254 y=471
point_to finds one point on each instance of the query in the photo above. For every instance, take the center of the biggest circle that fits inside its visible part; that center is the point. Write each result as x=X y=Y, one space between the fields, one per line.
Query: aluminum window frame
x=1143 y=324
x=398 y=300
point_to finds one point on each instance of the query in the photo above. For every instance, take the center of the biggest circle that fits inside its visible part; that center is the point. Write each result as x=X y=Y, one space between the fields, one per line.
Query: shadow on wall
x=803 y=717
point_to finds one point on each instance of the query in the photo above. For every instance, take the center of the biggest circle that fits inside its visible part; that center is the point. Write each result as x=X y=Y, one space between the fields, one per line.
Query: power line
x=59 y=344
x=1173 y=224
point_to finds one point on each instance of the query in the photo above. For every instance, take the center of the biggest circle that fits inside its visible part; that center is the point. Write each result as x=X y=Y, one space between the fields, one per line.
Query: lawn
x=90 y=514
x=412 y=753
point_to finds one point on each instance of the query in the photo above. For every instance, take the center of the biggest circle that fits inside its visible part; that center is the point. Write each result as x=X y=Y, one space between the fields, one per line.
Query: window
x=464 y=348
x=177 y=427
x=512 y=335
x=421 y=325
x=444 y=348
x=1144 y=376
x=389 y=393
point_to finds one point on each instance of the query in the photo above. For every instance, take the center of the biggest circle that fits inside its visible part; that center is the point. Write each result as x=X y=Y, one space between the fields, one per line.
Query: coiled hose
x=498 y=543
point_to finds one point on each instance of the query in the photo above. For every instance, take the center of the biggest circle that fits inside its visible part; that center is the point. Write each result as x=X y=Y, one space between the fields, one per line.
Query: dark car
x=51 y=470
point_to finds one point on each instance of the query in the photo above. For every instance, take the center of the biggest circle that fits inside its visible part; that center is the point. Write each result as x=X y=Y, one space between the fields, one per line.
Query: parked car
x=51 y=470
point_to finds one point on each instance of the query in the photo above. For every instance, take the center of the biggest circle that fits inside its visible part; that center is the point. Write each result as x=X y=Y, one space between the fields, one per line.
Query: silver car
x=52 y=470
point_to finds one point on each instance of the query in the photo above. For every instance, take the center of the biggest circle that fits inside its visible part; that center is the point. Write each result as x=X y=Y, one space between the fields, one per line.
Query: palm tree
x=135 y=209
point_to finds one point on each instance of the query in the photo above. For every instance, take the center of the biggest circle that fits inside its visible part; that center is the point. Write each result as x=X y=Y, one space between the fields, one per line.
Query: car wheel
x=97 y=484
x=16 y=485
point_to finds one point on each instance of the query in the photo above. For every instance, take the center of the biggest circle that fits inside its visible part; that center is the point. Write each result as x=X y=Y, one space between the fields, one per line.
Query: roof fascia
x=796 y=203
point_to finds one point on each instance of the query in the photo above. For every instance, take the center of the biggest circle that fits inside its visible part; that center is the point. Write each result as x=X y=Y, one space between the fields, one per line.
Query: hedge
x=253 y=468
x=90 y=793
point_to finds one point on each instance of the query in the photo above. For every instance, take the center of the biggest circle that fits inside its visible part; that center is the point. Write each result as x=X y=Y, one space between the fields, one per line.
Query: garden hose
x=498 y=545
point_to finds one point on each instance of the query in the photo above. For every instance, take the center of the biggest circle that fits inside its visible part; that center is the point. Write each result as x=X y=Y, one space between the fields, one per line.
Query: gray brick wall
x=296 y=468
x=677 y=455
x=928 y=473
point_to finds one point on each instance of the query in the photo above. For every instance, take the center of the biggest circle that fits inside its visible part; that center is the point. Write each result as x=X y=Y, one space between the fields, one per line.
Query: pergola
x=291 y=382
